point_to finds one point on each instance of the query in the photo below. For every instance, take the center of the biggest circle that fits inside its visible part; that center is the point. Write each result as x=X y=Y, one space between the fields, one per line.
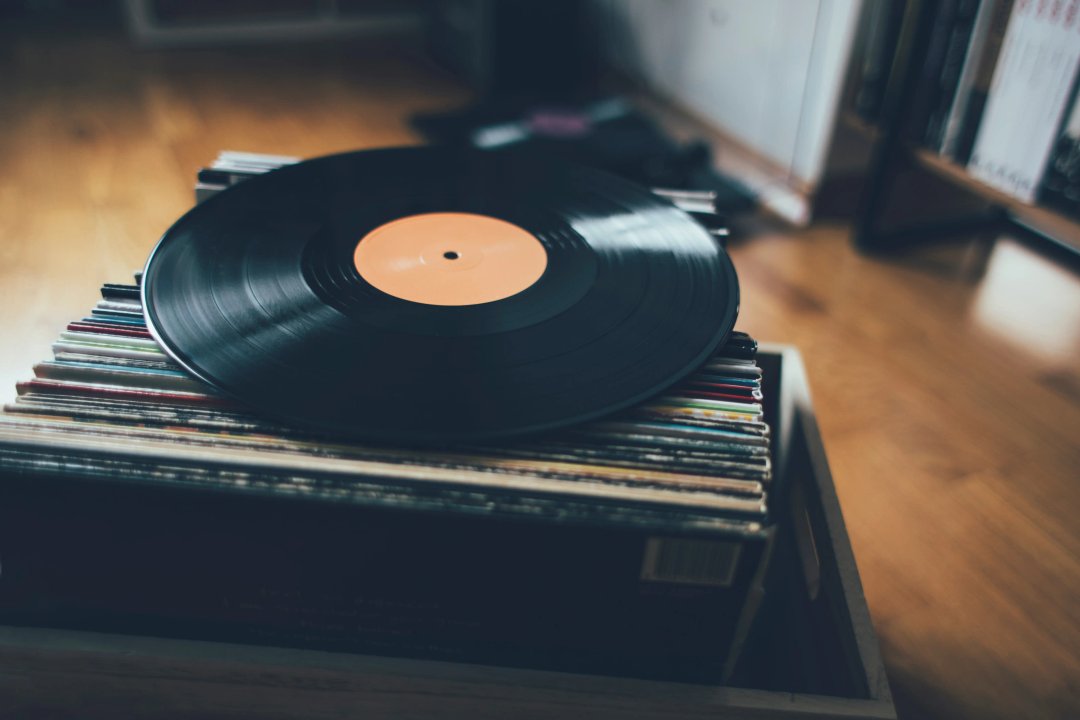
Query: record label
x=450 y=259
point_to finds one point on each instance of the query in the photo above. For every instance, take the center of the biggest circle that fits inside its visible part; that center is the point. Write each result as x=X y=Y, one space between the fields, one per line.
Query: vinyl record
x=436 y=295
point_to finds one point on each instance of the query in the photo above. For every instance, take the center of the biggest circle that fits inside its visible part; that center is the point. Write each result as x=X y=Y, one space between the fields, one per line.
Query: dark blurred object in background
x=536 y=67
x=608 y=134
x=518 y=48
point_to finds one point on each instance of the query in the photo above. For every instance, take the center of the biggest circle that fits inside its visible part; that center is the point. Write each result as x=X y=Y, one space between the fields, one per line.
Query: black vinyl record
x=498 y=294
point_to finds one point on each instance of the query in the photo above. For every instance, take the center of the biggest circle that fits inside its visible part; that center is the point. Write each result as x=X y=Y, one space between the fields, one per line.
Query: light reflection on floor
x=1031 y=302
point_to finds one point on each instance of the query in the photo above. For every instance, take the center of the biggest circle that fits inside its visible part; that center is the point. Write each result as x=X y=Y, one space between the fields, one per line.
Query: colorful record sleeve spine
x=696 y=454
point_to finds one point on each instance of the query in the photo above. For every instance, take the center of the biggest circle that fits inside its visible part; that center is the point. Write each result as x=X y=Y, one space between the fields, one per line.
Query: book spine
x=1028 y=94
x=975 y=103
x=926 y=94
x=877 y=60
x=959 y=39
x=965 y=81
x=1060 y=188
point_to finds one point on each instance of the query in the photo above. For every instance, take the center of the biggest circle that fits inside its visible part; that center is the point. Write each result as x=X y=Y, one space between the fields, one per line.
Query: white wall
x=767 y=72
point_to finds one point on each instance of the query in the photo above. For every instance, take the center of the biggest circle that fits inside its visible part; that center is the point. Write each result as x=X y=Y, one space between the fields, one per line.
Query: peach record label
x=450 y=258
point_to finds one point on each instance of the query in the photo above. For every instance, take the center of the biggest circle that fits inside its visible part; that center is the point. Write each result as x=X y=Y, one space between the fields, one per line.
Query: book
x=969 y=74
x=952 y=65
x=971 y=99
x=883 y=31
x=1060 y=188
x=925 y=97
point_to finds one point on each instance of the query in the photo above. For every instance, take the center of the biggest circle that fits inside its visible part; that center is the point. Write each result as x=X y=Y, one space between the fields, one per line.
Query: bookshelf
x=894 y=151
x=1037 y=218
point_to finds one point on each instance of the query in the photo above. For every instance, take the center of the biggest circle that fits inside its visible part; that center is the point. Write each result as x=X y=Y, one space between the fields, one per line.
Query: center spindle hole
x=450 y=255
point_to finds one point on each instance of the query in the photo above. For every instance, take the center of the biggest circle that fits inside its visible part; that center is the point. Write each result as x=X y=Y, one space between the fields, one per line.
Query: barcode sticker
x=690 y=562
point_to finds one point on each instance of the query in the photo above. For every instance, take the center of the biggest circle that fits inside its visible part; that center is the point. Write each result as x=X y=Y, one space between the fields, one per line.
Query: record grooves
x=261 y=292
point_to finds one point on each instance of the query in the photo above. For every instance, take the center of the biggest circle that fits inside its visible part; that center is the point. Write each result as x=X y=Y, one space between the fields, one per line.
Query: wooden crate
x=811 y=654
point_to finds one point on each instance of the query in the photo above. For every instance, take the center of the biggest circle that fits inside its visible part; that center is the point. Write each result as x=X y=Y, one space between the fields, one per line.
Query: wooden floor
x=947 y=383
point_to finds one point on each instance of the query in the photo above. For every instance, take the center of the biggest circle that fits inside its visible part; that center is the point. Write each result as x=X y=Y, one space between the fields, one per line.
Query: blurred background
x=901 y=180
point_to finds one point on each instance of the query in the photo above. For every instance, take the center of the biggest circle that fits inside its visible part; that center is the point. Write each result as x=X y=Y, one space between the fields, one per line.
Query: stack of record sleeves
x=112 y=403
x=137 y=498
x=632 y=545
